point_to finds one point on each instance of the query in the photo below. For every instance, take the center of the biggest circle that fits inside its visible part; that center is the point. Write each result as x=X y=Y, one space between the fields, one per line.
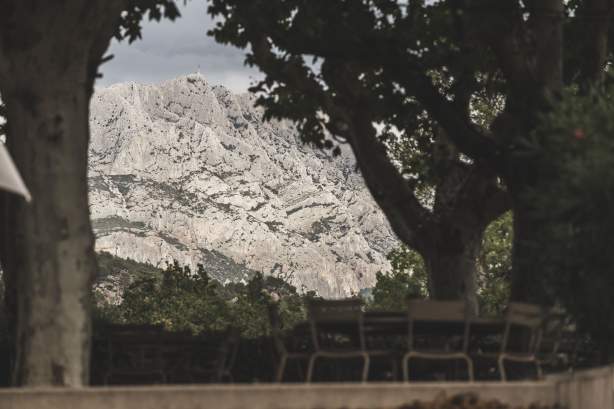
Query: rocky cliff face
x=188 y=171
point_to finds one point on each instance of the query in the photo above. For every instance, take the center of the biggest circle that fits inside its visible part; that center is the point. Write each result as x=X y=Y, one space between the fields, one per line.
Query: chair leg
x=502 y=368
x=406 y=359
x=281 y=368
x=538 y=368
x=470 y=369
x=227 y=377
x=395 y=369
x=312 y=361
x=365 y=368
x=300 y=371
x=337 y=368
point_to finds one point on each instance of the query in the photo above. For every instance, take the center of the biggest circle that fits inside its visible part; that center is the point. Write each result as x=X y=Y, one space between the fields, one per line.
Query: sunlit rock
x=188 y=171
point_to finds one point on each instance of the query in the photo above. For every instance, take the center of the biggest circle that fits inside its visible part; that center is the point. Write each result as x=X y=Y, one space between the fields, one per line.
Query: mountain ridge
x=188 y=171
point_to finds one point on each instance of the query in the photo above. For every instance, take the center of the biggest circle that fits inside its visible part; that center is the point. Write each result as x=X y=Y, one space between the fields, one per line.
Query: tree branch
x=408 y=218
x=497 y=203
x=354 y=122
x=500 y=26
x=470 y=196
x=465 y=135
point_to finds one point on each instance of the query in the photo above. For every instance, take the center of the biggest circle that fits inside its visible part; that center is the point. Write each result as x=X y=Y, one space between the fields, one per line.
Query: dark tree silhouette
x=338 y=67
x=49 y=56
x=353 y=92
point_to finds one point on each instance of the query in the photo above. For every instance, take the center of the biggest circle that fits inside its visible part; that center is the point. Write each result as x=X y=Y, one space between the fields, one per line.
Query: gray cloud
x=169 y=49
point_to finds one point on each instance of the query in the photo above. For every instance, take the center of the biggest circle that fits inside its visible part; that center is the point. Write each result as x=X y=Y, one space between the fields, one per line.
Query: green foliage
x=330 y=56
x=333 y=57
x=408 y=279
x=575 y=147
x=424 y=153
x=495 y=266
x=129 y=23
x=179 y=299
x=109 y=264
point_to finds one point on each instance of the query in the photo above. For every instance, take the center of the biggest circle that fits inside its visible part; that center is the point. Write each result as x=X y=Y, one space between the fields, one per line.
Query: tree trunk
x=52 y=251
x=526 y=285
x=8 y=276
x=49 y=56
x=451 y=266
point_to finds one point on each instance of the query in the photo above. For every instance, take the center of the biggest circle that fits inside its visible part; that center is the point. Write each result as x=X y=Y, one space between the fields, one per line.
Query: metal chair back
x=552 y=329
x=523 y=322
x=134 y=352
x=434 y=312
x=230 y=349
x=336 y=324
x=214 y=356
x=276 y=331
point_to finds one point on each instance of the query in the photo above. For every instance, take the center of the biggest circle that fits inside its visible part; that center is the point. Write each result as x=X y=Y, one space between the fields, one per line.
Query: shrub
x=181 y=300
x=574 y=142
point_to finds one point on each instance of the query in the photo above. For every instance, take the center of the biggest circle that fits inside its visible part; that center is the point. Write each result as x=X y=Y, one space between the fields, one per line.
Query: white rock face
x=187 y=171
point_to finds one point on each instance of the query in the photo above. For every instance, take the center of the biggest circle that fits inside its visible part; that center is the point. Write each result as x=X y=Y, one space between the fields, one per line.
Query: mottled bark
x=448 y=237
x=528 y=48
x=467 y=200
x=524 y=258
x=408 y=218
x=52 y=252
x=48 y=55
x=451 y=265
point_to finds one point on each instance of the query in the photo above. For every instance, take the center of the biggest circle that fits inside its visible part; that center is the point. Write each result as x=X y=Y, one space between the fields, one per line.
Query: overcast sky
x=169 y=49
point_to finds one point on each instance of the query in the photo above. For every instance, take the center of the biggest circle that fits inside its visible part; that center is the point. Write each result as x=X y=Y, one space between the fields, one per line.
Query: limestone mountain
x=188 y=171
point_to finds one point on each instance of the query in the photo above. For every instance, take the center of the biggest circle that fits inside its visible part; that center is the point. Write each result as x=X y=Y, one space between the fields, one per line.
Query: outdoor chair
x=215 y=356
x=552 y=354
x=289 y=347
x=134 y=355
x=177 y=354
x=520 y=338
x=444 y=334
x=385 y=337
x=230 y=351
x=337 y=331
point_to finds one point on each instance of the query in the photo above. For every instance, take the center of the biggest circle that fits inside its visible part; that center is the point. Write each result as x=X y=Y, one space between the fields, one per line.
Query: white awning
x=10 y=179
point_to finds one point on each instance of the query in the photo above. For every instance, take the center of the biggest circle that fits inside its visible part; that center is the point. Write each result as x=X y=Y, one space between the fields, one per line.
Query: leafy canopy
x=575 y=142
x=129 y=23
x=319 y=57
x=179 y=299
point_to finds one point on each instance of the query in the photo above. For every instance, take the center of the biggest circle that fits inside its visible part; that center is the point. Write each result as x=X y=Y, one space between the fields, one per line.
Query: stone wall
x=591 y=389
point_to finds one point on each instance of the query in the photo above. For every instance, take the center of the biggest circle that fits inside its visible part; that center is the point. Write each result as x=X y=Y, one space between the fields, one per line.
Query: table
x=146 y=353
x=394 y=325
x=388 y=332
